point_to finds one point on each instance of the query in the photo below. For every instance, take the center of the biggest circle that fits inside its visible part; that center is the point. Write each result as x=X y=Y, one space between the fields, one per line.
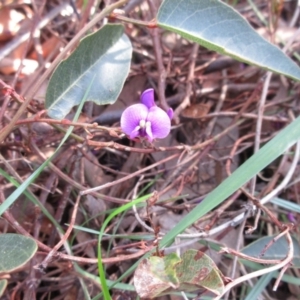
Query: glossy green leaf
x=15 y=251
x=3 y=284
x=106 y=54
x=278 y=249
x=217 y=26
x=194 y=271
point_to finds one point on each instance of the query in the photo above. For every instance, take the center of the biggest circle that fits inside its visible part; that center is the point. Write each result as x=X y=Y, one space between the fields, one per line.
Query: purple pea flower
x=291 y=218
x=146 y=119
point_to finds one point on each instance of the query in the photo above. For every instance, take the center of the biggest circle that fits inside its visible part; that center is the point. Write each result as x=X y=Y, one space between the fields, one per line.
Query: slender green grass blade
x=137 y=236
x=32 y=198
x=288 y=205
x=259 y=287
x=117 y=211
x=3 y=285
x=269 y=152
x=274 y=148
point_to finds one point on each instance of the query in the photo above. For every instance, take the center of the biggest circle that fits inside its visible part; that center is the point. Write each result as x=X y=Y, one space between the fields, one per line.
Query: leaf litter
x=220 y=91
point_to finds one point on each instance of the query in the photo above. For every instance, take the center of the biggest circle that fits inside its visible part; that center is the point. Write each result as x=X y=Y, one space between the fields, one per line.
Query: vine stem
x=106 y=11
x=255 y=274
x=119 y=17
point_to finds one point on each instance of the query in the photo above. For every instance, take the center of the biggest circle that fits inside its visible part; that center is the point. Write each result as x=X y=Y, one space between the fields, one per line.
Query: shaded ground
x=215 y=100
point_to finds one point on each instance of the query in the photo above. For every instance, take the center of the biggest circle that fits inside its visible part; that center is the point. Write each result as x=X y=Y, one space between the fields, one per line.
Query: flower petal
x=135 y=133
x=170 y=113
x=149 y=134
x=160 y=122
x=147 y=98
x=132 y=116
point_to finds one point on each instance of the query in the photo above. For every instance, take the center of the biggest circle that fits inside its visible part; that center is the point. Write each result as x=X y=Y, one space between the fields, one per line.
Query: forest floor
x=216 y=102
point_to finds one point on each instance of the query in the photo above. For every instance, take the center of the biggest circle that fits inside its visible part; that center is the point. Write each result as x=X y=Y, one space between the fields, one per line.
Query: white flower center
x=143 y=124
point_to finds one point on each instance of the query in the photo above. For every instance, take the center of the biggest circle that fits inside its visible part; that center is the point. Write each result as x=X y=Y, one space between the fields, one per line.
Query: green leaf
x=15 y=251
x=278 y=249
x=156 y=276
x=151 y=278
x=217 y=26
x=170 y=262
x=3 y=284
x=198 y=269
x=106 y=54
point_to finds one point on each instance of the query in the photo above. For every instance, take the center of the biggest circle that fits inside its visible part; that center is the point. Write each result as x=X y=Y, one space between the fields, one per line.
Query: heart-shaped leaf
x=277 y=250
x=217 y=26
x=194 y=271
x=106 y=54
x=15 y=251
x=3 y=284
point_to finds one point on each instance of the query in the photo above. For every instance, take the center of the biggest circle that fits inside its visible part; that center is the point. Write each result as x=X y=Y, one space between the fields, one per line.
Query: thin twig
x=260 y=114
x=136 y=214
x=189 y=85
x=64 y=237
x=258 y=273
x=287 y=177
x=159 y=55
x=9 y=47
x=250 y=258
x=109 y=184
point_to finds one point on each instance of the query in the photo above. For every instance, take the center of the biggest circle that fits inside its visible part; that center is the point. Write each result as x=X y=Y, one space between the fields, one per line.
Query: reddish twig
x=159 y=59
x=64 y=238
x=258 y=273
x=109 y=184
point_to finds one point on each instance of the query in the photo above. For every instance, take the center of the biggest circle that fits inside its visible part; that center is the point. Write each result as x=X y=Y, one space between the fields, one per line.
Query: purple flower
x=146 y=119
x=291 y=217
